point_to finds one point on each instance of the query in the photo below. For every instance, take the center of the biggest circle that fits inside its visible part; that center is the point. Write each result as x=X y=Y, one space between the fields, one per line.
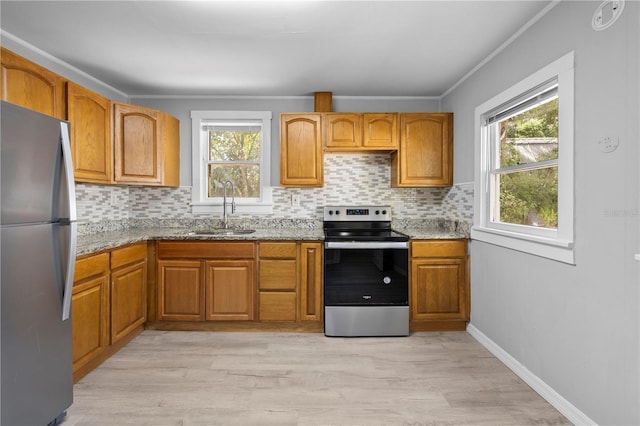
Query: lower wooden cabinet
x=290 y=281
x=108 y=304
x=229 y=290
x=213 y=281
x=128 y=290
x=278 y=281
x=180 y=290
x=271 y=284
x=439 y=297
x=311 y=284
x=90 y=309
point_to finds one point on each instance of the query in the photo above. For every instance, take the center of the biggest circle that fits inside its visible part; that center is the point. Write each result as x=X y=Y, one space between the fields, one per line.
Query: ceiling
x=270 y=48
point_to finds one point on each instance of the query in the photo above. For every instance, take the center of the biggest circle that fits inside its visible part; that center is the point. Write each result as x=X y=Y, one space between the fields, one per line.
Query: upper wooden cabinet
x=342 y=130
x=425 y=154
x=29 y=85
x=90 y=118
x=360 y=131
x=146 y=146
x=301 y=160
x=380 y=131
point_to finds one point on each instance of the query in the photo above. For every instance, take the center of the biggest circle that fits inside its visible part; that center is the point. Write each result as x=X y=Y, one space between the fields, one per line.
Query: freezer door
x=36 y=348
x=31 y=166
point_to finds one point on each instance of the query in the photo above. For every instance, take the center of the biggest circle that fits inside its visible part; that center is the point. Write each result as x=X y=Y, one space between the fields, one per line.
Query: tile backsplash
x=349 y=179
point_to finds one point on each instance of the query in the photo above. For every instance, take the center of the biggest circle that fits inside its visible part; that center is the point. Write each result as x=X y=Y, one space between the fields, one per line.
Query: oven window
x=366 y=277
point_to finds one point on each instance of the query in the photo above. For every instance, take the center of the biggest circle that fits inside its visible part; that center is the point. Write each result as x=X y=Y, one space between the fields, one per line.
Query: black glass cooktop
x=364 y=235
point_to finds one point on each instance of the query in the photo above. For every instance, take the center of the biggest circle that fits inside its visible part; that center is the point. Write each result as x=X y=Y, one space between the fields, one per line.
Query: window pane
x=528 y=197
x=245 y=178
x=530 y=136
x=234 y=145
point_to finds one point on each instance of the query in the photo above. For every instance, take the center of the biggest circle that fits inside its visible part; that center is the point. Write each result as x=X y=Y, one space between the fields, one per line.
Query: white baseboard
x=567 y=409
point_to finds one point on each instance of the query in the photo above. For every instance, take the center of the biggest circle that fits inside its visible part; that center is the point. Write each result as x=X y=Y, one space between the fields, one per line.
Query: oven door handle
x=366 y=244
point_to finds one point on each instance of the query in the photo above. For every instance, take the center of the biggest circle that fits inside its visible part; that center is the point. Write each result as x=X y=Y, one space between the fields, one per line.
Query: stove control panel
x=357 y=213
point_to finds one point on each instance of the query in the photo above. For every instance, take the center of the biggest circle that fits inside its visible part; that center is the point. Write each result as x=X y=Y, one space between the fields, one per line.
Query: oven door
x=366 y=273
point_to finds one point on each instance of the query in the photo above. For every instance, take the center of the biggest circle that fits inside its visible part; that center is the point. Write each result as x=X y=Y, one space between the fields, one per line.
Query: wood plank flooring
x=247 y=378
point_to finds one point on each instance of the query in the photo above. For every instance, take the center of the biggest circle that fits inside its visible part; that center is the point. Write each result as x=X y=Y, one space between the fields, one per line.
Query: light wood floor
x=246 y=378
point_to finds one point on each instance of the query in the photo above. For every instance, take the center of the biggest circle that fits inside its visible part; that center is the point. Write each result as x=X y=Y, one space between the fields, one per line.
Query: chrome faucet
x=225 y=216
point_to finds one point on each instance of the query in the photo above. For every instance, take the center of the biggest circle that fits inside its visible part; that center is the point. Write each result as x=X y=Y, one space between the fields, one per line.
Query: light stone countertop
x=93 y=243
x=99 y=241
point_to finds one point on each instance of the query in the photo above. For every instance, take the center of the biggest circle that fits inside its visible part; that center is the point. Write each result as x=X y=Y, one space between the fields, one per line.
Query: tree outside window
x=234 y=155
x=527 y=176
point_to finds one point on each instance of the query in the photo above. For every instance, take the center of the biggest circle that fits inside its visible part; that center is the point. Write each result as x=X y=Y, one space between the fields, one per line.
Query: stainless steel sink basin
x=223 y=231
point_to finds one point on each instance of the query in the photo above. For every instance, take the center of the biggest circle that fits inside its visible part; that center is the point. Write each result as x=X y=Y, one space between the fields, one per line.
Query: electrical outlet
x=608 y=144
x=295 y=200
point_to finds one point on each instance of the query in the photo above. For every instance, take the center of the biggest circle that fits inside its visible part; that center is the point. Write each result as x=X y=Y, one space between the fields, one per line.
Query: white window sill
x=550 y=248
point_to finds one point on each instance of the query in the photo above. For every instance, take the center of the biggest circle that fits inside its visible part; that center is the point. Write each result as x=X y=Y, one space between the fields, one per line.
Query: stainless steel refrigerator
x=37 y=247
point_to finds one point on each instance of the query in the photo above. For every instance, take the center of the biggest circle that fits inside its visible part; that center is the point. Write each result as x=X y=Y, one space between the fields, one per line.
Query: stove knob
x=386 y=280
x=377 y=211
x=384 y=212
x=330 y=212
x=337 y=212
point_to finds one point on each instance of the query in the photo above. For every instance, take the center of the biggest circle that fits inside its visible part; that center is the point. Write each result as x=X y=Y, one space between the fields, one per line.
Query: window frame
x=556 y=244
x=200 y=202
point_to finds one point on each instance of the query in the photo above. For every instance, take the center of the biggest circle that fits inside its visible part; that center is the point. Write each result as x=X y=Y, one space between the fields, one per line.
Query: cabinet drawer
x=277 y=306
x=206 y=250
x=89 y=266
x=278 y=250
x=130 y=254
x=439 y=248
x=277 y=275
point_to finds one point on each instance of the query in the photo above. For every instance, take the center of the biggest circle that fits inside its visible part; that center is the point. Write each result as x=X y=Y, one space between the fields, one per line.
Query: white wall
x=574 y=327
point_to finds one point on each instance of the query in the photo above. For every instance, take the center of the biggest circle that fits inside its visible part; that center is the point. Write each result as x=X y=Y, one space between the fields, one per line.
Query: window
x=231 y=146
x=524 y=165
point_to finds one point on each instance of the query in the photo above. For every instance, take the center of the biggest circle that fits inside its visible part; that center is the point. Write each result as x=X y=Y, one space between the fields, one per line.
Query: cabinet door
x=90 y=319
x=342 y=130
x=380 y=131
x=137 y=151
x=180 y=290
x=90 y=117
x=171 y=143
x=425 y=154
x=128 y=299
x=229 y=290
x=438 y=289
x=311 y=281
x=29 y=85
x=301 y=161
x=90 y=309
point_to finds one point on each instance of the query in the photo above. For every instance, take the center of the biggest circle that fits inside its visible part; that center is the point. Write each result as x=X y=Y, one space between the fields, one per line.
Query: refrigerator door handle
x=71 y=265
x=68 y=170
x=73 y=226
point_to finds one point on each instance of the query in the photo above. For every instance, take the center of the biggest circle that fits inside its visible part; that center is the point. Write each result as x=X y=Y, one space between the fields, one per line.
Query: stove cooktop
x=364 y=235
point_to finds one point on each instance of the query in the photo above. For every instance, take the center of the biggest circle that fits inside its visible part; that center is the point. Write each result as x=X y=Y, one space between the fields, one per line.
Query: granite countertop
x=93 y=243
x=99 y=241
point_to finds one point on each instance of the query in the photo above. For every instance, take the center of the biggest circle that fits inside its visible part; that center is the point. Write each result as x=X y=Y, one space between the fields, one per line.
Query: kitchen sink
x=223 y=231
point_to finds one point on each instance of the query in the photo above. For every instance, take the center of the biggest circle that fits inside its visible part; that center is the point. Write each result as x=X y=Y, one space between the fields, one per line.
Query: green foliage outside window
x=530 y=197
x=234 y=154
